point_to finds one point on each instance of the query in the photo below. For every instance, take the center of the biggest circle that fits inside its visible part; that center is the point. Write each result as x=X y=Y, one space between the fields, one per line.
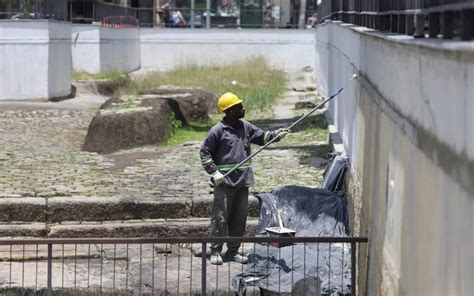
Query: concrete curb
x=94 y=209
x=140 y=228
x=202 y=206
x=79 y=208
x=27 y=209
x=129 y=228
x=18 y=229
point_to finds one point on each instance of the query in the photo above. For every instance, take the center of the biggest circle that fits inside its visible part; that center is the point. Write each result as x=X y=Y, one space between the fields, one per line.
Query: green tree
x=28 y=6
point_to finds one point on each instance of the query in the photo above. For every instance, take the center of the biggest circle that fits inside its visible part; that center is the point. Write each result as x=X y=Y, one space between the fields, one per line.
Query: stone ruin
x=133 y=121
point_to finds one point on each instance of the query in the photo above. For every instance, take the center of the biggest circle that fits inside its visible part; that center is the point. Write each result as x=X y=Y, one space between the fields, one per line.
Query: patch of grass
x=258 y=85
x=112 y=76
x=185 y=134
x=252 y=80
x=188 y=133
x=322 y=151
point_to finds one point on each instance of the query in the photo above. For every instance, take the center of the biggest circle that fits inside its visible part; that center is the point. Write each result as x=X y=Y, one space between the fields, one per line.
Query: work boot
x=216 y=259
x=236 y=257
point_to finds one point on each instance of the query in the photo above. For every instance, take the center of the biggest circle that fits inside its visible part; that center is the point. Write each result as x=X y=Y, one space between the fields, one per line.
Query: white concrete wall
x=86 y=55
x=407 y=126
x=98 y=49
x=166 y=49
x=35 y=59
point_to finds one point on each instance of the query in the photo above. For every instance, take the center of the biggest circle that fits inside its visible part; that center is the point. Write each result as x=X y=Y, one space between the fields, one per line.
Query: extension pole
x=289 y=128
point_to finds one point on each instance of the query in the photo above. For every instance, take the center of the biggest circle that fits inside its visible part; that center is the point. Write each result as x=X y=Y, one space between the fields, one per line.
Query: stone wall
x=407 y=127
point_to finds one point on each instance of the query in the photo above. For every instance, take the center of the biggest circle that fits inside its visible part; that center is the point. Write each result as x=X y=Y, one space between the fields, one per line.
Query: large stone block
x=128 y=122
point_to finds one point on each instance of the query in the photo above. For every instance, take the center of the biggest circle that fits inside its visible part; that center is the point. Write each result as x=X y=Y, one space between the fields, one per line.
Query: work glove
x=281 y=133
x=217 y=178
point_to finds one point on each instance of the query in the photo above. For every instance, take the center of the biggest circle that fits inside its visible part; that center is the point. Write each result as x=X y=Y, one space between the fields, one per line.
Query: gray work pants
x=229 y=215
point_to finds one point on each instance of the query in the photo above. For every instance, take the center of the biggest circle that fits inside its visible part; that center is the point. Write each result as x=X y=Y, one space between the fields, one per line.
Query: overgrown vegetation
x=113 y=75
x=252 y=80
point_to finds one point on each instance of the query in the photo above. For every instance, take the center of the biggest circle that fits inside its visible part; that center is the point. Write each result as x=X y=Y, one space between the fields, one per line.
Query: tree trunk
x=301 y=21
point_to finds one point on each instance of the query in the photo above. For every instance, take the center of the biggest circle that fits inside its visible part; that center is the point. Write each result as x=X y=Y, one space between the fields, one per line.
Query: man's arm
x=207 y=151
x=261 y=137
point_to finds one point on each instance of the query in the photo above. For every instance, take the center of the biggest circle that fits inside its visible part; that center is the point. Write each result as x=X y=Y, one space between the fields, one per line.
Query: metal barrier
x=449 y=18
x=196 y=14
x=144 y=265
x=103 y=11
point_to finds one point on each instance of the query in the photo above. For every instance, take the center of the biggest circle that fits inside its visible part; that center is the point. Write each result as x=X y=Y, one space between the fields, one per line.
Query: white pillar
x=208 y=14
x=301 y=21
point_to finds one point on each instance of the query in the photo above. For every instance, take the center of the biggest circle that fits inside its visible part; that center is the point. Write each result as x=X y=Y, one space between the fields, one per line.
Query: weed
x=112 y=76
x=174 y=124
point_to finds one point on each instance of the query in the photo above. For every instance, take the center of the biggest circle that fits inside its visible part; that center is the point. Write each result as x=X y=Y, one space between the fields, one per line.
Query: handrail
x=177 y=240
x=398 y=16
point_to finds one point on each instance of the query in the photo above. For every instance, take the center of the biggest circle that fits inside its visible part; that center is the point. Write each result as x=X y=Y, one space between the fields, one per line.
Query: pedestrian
x=177 y=19
x=314 y=20
x=227 y=144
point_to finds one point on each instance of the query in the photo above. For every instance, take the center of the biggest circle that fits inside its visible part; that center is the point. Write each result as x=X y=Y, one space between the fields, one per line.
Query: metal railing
x=420 y=18
x=162 y=265
x=249 y=18
x=265 y=14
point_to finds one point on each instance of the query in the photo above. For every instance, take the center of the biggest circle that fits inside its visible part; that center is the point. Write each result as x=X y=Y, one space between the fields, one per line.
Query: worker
x=227 y=144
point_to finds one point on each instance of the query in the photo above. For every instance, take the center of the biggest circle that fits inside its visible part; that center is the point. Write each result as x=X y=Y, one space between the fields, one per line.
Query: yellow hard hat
x=228 y=100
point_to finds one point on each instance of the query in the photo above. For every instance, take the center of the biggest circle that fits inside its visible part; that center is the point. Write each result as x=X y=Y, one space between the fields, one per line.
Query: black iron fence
x=421 y=18
x=255 y=14
x=174 y=266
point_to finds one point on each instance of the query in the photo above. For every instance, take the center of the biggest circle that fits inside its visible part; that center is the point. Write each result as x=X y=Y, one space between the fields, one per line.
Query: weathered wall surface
x=35 y=59
x=166 y=49
x=407 y=126
x=98 y=49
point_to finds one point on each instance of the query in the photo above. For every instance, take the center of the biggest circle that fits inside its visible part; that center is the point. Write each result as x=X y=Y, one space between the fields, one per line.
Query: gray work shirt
x=225 y=146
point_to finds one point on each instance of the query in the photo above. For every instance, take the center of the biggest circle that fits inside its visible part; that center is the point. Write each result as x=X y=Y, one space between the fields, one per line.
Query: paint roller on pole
x=288 y=128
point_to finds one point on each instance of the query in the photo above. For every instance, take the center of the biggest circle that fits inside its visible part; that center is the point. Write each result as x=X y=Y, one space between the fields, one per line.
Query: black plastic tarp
x=335 y=173
x=310 y=212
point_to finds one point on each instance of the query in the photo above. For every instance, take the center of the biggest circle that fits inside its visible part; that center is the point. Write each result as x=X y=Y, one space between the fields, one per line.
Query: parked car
x=23 y=16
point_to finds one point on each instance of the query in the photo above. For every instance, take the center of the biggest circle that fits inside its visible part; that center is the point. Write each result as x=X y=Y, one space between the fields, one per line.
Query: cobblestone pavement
x=40 y=156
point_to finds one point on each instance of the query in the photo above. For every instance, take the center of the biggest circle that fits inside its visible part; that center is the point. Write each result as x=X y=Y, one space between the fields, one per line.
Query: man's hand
x=281 y=133
x=217 y=178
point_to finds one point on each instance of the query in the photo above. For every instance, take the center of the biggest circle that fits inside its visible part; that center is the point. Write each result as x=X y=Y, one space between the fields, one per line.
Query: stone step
x=125 y=228
x=58 y=209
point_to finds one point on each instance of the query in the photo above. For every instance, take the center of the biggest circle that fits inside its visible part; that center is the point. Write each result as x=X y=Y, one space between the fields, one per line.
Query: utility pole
x=192 y=13
x=8 y=9
x=37 y=8
x=301 y=20
x=419 y=21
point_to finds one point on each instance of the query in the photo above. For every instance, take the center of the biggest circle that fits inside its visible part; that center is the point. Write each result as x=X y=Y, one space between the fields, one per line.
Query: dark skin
x=233 y=114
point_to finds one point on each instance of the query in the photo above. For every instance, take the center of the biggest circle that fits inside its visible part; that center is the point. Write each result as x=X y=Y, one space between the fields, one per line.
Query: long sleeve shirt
x=225 y=147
